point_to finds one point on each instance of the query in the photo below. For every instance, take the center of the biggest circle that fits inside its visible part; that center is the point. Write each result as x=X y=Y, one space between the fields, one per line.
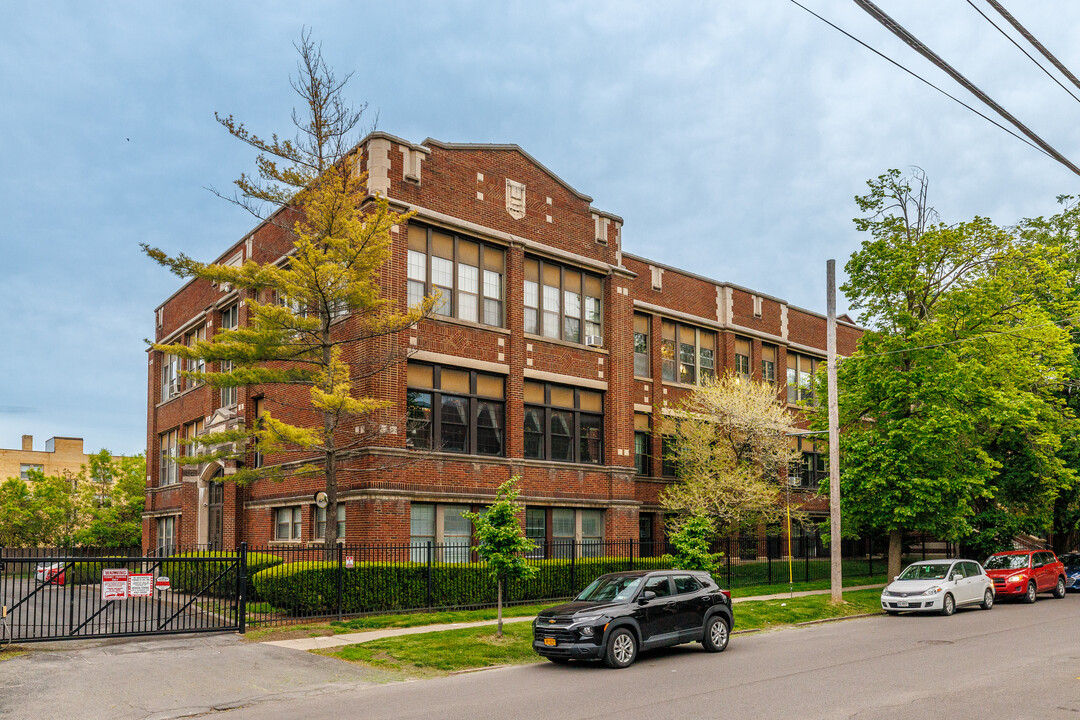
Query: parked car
x=50 y=572
x=938 y=586
x=1025 y=573
x=620 y=614
x=1071 y=561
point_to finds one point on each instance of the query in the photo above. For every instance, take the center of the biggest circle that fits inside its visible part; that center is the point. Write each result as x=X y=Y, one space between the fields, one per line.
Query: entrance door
x=215 y=513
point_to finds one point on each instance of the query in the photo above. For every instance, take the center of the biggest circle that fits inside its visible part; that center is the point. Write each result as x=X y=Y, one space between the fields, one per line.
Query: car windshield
x=930 y=571
x=1006 y=562
x=610 y=589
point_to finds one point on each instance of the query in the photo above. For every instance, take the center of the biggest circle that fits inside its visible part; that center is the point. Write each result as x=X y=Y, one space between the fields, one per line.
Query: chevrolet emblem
x=551 y=621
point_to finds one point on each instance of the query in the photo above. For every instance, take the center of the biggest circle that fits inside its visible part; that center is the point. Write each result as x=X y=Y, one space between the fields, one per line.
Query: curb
x=837 y=619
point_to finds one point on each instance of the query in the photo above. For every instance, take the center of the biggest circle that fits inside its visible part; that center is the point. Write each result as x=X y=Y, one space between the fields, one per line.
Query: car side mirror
x=647 y=596
x=957 y=576
x=896 y=577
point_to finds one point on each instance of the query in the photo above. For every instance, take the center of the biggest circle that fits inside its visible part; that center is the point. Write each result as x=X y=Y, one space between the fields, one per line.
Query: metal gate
x=61 y=597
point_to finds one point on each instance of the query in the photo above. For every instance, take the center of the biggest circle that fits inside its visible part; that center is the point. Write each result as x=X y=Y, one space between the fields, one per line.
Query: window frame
x=643 y=435
x=453 y=302
x=549 y=410
x=26 y=468
x=474 y=401
x=646 y=354
x=553 y=546
x=676 y=359
x=320 y=522
x=168 y=451
x=797 y=393
x=583 y=304
x=742 y=361
x=194 y=364
x=166 y=528
x=295 y=523
x=444 y=551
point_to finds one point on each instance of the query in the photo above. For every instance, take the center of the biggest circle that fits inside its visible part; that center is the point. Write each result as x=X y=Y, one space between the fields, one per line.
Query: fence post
x=728 y=554
x=71 y=598
x=241 y=589
x=768 y=557
x=340 y=581
x=806 y=556
x=870 y=548
x=573 y=570
x=429 y=558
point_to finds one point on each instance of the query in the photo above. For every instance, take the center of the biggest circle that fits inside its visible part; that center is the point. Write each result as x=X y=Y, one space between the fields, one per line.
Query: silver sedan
x=938 y=586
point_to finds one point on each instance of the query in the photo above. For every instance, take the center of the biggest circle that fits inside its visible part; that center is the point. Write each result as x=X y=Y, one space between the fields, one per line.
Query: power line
x=901 y=32
x=1034 y=43
x=1031 y=40
x=924 y=80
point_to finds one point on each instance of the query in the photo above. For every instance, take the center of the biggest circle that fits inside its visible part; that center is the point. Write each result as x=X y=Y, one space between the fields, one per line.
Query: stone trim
x=532 y=374
x=443 y=359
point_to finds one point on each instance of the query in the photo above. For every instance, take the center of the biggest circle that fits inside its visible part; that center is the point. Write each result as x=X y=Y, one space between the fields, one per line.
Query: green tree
x=731 y=439
x=319 y=323
x=692 y=543
x=113 y=502
x=17 y=522
x=958 y=370
x=502 y=544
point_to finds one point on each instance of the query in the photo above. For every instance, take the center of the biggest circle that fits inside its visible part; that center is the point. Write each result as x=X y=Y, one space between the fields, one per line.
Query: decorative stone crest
x=515 y=199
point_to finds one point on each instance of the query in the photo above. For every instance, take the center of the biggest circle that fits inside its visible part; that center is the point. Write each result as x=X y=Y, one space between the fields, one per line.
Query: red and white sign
x=114 y=584
x=141 y=585
x=349 y=562
x=163 y=583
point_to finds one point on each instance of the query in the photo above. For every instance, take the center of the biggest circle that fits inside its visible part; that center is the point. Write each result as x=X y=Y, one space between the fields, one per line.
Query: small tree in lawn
x=692 y=541
x=501 y=543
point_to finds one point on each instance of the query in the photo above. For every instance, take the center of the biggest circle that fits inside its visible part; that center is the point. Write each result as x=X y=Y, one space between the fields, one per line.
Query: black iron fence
x=56 y=594
x=52 y=594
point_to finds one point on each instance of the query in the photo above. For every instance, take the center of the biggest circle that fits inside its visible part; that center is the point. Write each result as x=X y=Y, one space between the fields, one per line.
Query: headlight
x=587 y=631
x=1016 y=578
x=932 y=591
x=886 y=593
x=587 y=620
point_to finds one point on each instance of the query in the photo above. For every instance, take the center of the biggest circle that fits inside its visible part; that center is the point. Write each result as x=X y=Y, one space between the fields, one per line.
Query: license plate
x=902 y=603
x=549 y=641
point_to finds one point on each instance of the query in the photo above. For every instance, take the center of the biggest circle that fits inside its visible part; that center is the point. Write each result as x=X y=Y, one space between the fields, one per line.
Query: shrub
x=311 y=587
x=214 y=578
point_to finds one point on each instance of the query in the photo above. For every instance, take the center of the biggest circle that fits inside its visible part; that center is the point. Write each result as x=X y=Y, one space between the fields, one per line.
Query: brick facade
x=463 y=189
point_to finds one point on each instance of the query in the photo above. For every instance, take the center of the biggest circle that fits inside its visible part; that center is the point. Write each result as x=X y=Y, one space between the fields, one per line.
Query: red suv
x=1023 y=573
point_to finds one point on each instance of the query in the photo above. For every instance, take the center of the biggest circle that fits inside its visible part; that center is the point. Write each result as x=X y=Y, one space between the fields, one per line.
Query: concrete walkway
x=329 y=641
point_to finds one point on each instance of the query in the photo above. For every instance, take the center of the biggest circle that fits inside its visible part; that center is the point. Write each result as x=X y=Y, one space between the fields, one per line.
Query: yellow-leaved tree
x=317 y=322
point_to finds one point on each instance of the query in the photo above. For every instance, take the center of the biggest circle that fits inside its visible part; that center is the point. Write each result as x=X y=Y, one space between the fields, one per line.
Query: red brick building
x=556 y=355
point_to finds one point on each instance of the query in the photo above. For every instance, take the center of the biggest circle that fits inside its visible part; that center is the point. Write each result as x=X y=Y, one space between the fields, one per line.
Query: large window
x=230 y=319
x=642 y=444
x=563 y=302
x=642 y=361
x=670 y=462
x=192 y=431
x=468 y=275
x=169 y=470
x=26 y=468
x=810 y=470
x=320 y=522
x=570 y=533
x=800 y=378
x=742 y=358
x=445 y=528
x=455 y=410
x=166 y=536
x=687 y=353
x=768 y=363
x=563 y=423
x=170 y=376
x=196 y=365
x=287 y=523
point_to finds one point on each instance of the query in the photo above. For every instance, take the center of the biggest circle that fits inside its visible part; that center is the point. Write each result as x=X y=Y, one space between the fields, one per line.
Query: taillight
x=725 y=593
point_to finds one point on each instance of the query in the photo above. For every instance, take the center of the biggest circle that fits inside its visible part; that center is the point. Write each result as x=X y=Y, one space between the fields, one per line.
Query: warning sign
x=349 y=562
x=114 y=584
x=141 y=585
x=163 y=583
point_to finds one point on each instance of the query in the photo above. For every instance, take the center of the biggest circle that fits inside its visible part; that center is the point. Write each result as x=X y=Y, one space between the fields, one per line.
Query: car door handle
x=670 y=604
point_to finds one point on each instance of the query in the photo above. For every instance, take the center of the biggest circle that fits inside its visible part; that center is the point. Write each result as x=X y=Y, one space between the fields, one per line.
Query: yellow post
x=790 y=575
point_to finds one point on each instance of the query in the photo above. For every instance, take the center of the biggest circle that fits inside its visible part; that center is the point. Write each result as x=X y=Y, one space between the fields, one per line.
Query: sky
x=732 y=138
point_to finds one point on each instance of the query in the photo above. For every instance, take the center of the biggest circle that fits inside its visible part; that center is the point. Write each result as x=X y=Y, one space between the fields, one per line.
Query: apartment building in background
x=61 y=455
x=555 y=354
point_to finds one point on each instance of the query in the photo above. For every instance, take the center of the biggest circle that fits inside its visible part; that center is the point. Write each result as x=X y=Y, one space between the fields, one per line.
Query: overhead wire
x=920 y=78
x=1030 y=39
x=901 y=32
x=1034 y=42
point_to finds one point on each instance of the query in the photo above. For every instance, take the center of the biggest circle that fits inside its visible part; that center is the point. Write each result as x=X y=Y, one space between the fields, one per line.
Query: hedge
x=311 y=587
x=194 y=577
x=89 y=573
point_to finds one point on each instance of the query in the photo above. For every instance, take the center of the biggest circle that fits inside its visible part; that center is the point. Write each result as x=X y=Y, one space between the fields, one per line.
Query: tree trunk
x=896 y=548
x=498 y=633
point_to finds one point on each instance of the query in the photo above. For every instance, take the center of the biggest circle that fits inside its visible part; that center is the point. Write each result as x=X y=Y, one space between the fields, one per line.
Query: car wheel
x=1059 y=589
x=1029 y=596
x=716 y=635
x=621 y=649
x=948 y=605
x=988 y=599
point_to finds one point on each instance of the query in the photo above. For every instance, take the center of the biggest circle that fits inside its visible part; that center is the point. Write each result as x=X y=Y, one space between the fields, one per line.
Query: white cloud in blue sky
x=730 y=136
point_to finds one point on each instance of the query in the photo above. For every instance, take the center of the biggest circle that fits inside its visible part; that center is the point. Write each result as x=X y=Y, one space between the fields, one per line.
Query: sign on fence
x=114 y=584
x=163 y=583
x=141 y=585
x=349 y=562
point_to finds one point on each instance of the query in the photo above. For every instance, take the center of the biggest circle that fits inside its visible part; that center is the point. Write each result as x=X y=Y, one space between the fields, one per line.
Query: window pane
x=468 y=252
x=493 y=312
x=572 y=303
x=534 y=392
x=552 y=275
x=687 y=366
x=493 y=259
x=442 y=272
x=468 y=278
x=592 y=524
x=493 y=285
x=417 y=266
x=420 y=376
x=418 y=238
x=562 y=523
x=571 y=329
x=489 y=428
x=532 y=271
x=456 y=381
x=467 y=307
x=562 y=424
x=489 y=385
x=532 y=294
x=534 y=433
x=416 y=293
x=455 y=424
x=591 y=401
x=667 y=360
x=708 y=371
x=442 y=245
x=642 y=455
x=562 y=396
x=422 y=523
x=418 y=422
x=592 y=438
x=454 y=525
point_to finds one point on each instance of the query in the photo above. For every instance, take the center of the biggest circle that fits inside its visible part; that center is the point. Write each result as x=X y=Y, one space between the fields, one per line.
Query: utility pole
x=835 y=574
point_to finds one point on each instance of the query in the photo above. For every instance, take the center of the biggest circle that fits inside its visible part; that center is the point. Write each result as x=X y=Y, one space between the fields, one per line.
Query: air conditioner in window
x=594 y=340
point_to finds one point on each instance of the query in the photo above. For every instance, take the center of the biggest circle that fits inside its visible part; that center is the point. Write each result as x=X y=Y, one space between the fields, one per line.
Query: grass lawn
x=774 y=589
x=438 y=653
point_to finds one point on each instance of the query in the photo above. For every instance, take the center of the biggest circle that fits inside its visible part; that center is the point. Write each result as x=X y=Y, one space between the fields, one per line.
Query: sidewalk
x=320 y=643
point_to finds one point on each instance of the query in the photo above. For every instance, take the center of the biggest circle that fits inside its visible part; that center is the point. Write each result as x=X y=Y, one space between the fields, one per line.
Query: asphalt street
x=1015 y=661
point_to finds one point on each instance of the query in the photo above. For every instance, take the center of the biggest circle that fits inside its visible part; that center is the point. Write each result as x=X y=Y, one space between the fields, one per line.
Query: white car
x=938 y=586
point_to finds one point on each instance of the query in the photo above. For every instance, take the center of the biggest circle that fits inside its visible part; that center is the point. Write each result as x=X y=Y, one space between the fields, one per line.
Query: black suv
x=619 y=614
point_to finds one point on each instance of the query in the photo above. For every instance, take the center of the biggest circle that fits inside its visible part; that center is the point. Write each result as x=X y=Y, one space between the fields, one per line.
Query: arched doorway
x=215 y=515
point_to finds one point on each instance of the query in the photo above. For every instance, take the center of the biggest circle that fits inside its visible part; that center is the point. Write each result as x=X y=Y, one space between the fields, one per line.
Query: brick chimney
x=28 y=443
